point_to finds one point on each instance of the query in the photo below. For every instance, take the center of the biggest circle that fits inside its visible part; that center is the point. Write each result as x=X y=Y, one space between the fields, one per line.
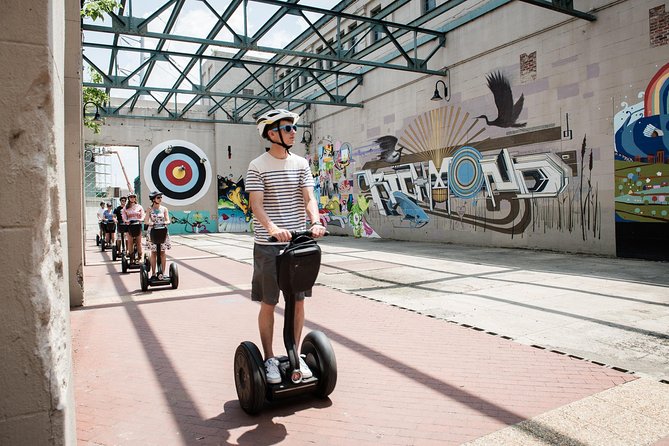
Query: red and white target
x=179 y=170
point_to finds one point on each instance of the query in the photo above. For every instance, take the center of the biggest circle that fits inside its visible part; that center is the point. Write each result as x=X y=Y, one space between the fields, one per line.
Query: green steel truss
x=322 y=65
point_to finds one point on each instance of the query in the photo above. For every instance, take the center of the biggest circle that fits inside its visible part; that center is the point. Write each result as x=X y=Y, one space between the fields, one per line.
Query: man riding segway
x=280 y=187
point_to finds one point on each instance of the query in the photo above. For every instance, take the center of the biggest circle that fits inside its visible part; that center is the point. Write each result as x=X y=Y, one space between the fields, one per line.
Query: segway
x=109 y=227
x=118 y=250
x=158 y=235
x=297 y=270
x=98 y=238
x=131 y=260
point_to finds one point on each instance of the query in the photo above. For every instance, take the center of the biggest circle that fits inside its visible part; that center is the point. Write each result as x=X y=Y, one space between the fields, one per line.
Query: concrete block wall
x=147 y=134
x=36 y=389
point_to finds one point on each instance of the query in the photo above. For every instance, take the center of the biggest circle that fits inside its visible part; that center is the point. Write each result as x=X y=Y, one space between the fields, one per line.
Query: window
x=350 y=44
x=377 y=33
x=321 y=63
x=328 y=63
x=429 y=5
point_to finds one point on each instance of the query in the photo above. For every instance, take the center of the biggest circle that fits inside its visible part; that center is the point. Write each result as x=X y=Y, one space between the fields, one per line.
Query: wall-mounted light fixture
x=96 y=119
x=447 y=89
x=306 y=137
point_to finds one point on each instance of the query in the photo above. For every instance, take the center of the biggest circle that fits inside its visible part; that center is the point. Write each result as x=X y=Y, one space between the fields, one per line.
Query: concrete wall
x=147 y=134
x=213 y=139
x=74 y=197
x=36 y=391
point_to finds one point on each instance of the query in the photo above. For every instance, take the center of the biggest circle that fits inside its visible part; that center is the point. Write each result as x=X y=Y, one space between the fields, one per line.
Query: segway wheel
x=143 y=278
x=97 y=240
x=250 y=378
x=174 y=276
x=321 y=360
x=102 y=244
x=124 y=264
x=114 y=253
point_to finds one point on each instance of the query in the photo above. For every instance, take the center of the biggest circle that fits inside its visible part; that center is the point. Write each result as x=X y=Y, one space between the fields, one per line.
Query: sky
x=195 y=20
x=130 y=159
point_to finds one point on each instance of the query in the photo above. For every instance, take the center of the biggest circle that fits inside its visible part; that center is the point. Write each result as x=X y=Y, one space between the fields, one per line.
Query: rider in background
x=118 y=212
x=101 y=218
x=109 y=217
x=157 y=215
x=133 y=212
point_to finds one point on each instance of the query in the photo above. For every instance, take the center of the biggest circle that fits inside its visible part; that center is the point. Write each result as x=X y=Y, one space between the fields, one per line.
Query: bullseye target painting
x=180 y=170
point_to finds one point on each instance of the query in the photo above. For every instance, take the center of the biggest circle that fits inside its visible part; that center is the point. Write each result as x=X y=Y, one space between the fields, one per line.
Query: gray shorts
x=265 y=285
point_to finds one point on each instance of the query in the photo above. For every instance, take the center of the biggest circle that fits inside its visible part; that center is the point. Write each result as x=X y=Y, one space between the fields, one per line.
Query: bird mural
x=507 y=111
x=389 y=151
x=410 y=210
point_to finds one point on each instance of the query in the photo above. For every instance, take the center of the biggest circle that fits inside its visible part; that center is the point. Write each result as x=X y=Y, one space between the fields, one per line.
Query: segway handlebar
x=295 y=234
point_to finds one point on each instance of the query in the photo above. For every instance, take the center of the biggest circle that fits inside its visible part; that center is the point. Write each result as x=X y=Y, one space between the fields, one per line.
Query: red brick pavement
x=663 y=442
x=157 y=368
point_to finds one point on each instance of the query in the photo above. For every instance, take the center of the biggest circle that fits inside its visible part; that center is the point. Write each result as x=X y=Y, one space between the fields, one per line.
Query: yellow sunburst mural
x=438 y=133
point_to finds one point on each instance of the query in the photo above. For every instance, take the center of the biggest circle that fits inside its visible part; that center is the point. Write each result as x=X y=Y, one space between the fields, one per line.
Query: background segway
x=174 y=276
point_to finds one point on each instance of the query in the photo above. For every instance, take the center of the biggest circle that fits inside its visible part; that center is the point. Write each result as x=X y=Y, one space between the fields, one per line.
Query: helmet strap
x=282 y=143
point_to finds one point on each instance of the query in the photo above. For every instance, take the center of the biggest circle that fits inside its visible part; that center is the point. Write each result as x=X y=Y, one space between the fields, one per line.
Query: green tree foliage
x=95 y=9
x=95 y=95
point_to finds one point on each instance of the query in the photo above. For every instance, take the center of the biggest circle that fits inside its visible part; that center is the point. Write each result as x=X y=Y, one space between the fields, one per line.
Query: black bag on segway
x=298 y=265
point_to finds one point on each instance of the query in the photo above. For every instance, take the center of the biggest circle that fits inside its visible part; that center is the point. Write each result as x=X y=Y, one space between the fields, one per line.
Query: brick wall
x=659 y=26
x=528 y=67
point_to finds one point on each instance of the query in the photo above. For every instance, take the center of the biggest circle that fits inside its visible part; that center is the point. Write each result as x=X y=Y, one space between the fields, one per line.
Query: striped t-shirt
x=281 y=181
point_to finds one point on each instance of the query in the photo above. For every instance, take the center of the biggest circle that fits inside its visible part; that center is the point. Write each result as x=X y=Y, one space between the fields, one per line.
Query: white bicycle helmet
x=265 y=121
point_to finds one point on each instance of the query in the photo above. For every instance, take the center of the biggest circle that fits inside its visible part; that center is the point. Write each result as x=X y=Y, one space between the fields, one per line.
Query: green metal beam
x=143 y=25
x=563 y=6
x=333 y=84
x=206 y=43
x=277 y=58
x=207 y=93
x=283 y=52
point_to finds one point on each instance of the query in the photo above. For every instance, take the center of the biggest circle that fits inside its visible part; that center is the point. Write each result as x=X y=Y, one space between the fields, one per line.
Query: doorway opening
x=110 y=172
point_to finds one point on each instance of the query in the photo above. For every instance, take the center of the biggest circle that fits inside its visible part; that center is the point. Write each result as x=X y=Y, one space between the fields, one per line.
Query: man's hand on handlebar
x=281 y=235
x=317 y=230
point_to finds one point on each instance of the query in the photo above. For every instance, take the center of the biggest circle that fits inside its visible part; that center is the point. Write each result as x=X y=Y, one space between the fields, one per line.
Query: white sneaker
x=304 y=369
x=272 y=371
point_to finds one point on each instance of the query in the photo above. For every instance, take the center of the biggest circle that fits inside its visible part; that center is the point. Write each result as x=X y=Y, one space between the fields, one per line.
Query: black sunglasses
x=287 y=128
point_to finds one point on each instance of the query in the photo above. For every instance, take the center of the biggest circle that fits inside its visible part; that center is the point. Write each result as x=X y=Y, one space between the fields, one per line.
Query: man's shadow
x=265 y=431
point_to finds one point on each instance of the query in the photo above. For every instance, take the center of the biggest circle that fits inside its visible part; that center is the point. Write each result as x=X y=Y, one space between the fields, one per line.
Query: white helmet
x=267 y=119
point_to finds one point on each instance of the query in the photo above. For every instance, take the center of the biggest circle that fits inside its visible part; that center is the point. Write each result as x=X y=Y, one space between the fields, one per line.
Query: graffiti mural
x=334 y=185
x=191 y=222
x=449 y=169
x=234 y=213
x=641 y=168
